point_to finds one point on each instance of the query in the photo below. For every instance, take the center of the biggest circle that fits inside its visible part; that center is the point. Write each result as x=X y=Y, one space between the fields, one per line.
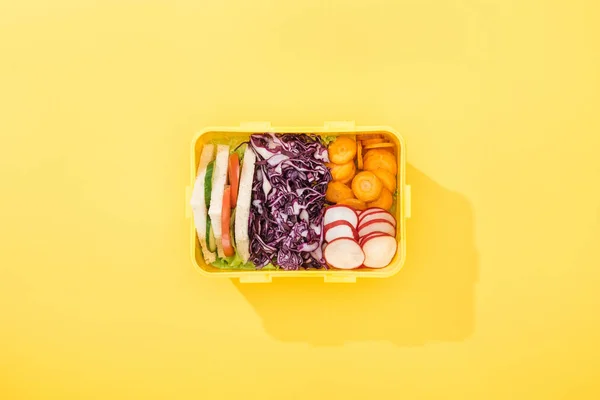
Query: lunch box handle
x=339 y=126
x=256 y=126
x=256 y=277
x=188 y=207
x=407 y=203
x=339 y=279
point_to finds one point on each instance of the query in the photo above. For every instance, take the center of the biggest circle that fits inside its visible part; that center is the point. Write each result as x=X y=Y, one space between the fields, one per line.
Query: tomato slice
x=234 y=177
x=225 y=219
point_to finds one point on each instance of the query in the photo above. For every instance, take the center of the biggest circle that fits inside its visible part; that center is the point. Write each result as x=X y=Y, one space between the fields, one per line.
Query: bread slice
x=198 y=201
x=216 y=197
x=242 y=212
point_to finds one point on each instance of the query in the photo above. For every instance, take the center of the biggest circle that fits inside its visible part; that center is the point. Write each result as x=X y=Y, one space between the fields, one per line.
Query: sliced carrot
x=226 y=241
x=344 y=172
x=366 y=186
x=359 y=157
x=384 y=201
x=337 y=191
x=388 y=180
x=342 y=150
x=368 y=136
x=373 y=152
x=354 y=203
x=380 y=146
x=234 y=177
x=378 y=158
x=370 y=142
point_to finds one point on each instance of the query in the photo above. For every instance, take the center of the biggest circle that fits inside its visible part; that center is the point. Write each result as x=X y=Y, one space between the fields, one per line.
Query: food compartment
x=370 y=138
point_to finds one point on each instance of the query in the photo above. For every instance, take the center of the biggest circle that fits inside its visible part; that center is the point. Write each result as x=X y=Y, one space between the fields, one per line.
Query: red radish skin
x=334 y=224
x=368 y=211
x=377 y=225
x=363 y=239
x=379 y=251
x=340 y=213
x=373 y=210
x=344 y=253
x=365 y=213
x=377 y=215
x=339 y=229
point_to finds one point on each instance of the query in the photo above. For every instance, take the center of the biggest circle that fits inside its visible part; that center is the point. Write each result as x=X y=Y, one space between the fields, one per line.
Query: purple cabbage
x=288 y=198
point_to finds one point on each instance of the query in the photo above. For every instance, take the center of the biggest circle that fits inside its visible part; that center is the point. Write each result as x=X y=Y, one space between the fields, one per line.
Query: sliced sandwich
x=199 y=202
x=215 y=210
x=228 y=191
x=244 y=197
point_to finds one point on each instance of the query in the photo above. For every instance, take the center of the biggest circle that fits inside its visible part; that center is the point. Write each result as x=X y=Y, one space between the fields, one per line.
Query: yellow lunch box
x=243 y=132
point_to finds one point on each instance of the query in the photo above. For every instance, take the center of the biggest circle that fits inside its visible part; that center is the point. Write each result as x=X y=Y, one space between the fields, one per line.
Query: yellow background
x=498 y=101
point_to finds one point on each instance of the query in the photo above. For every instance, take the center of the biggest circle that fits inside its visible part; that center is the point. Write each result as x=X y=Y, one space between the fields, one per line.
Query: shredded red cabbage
x=288 y=199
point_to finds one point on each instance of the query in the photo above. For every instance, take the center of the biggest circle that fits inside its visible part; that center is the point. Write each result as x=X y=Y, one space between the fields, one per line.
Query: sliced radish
x=344 y=253
x=379 y=251
x=340 y=213
x=370 y=210
x=377 y=215
x=377 y=225
x=334 y=224
x=363 y=239
x=339 y=229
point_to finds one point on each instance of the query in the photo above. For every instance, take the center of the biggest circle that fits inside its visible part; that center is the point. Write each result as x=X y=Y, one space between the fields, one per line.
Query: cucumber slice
x=210 y=237
x=208 y=182
x=232 y=228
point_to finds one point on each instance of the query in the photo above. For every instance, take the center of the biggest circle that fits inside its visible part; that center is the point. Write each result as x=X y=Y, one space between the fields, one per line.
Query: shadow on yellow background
x=433 y=295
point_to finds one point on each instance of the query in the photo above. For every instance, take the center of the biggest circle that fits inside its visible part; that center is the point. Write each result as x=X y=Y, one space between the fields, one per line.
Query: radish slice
x=370 y=211
x=340 y=213
x=363 y=239
x=377 y=215
x=379 y=251
x=340 y=229
x=344 y=253
x=377 y=225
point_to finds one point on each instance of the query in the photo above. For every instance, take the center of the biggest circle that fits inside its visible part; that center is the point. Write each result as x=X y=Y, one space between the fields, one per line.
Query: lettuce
x=236 y=262
x=326 y=140
x=239 y=150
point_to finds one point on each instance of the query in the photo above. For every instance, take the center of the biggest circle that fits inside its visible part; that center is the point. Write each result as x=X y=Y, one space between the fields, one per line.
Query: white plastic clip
x=256 y=126
x=339 y=126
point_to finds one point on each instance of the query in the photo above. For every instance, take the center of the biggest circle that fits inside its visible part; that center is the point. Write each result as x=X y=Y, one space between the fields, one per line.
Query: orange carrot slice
x=366 y=186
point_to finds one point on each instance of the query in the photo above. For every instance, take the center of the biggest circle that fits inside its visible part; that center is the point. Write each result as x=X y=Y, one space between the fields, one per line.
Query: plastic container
x=402 y=209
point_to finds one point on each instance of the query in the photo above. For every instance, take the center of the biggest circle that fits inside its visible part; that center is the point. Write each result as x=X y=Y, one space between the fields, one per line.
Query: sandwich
x=219 y=181
x=221 y=201
x=200 y=201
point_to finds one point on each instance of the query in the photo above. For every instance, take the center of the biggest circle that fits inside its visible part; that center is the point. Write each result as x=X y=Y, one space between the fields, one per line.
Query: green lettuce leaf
x=240 y=151
x=236 y=262
x=328 y=139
